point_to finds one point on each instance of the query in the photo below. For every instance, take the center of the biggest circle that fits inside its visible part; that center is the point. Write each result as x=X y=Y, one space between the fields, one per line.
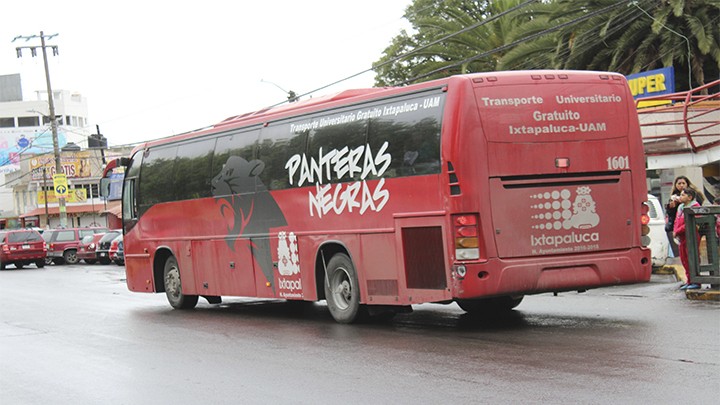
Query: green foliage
x=460 y=36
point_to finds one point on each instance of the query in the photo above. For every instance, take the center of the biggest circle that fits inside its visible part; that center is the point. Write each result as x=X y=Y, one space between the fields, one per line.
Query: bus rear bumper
x=525 y=276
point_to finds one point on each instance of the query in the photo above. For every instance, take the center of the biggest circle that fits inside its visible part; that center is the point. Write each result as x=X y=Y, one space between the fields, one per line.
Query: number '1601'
x=618 y=162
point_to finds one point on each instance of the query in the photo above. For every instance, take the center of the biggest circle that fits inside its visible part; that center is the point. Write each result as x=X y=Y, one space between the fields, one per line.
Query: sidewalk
x=673 y=266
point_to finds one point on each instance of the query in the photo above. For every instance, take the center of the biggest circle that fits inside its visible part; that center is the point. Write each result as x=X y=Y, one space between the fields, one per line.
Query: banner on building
x=652 y=83
x=76 y=195
x=74 y=165
x=24 y=140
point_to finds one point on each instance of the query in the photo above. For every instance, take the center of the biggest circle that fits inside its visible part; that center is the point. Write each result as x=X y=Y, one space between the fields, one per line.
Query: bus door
x=423 y=258
x=220 y=271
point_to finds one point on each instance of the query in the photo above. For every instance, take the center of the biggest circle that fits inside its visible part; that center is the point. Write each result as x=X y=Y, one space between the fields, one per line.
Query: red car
x=87 y=247
x=116 y=251
x=21 y=247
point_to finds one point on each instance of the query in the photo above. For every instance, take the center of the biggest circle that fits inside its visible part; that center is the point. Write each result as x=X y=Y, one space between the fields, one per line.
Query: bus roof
x=265 y=115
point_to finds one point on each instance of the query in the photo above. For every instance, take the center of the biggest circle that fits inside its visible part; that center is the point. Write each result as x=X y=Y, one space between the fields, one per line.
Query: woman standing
x=680 y=184
x=687 y=199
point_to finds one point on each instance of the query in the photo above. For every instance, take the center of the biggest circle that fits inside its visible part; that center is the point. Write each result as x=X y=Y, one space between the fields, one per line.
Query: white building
x=25 y=131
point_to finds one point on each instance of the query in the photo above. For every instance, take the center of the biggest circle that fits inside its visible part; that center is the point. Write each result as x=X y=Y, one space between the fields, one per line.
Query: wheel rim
x=172 y=283
x=71 y=258
x=341 y=287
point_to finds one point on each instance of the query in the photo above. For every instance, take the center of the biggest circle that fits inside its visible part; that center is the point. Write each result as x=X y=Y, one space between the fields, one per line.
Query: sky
x=152 y=69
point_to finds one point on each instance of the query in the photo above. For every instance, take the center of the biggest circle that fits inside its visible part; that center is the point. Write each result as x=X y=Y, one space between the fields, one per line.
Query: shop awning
x=77 y=209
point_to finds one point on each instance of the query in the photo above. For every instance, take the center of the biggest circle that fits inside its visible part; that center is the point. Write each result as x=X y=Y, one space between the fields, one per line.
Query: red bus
x=477 y=189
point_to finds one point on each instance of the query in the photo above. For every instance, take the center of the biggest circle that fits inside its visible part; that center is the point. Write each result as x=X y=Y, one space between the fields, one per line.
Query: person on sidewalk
x=687 y=199
x=671 y=208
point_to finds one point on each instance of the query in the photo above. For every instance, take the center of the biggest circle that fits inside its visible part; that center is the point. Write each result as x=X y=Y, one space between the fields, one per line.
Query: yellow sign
x=60 y=185
x=73 y=164
x=652 y=83
x=76 y=195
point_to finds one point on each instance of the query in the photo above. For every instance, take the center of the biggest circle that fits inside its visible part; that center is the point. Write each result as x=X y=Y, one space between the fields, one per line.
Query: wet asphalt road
x=74 y=334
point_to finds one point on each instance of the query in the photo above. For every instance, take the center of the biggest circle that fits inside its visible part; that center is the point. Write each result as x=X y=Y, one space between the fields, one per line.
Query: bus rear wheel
x=341 y=290
x=173 y=287
x=490 y=306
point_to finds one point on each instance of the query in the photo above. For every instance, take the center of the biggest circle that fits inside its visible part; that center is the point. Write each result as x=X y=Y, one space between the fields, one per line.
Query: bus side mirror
x=104 y=187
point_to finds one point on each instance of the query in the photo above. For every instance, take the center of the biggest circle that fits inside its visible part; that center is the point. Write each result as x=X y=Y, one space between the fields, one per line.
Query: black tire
x=90 y=261
x=2 y=266
x=173 y=287
x=19 y=265
x=342 y=290
x=105 y=260
x=40 y=263
x=490 y=306
x=70 y=256
x=58 y=260
x=119 y=262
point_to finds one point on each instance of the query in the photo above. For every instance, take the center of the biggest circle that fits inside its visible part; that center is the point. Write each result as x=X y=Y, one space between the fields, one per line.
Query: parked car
x=117 y=253
x=659 y=244
x=21 y=247
x=62 y=244
x=102 y=252
x=86 y=250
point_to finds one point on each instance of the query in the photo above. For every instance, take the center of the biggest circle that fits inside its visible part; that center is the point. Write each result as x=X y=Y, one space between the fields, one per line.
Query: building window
x=28 y=121
x=7 y=122
x=58 y=119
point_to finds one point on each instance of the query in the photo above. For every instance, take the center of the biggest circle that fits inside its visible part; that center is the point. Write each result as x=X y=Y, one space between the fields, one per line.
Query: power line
x=627 y=17
x=519 y=41
x=395 y=59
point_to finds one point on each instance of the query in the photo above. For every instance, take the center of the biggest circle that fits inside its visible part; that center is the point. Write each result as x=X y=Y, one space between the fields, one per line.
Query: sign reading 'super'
x=652 y=83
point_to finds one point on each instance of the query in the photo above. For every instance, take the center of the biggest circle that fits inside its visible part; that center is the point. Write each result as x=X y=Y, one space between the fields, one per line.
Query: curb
x=677 y=269
x=696 y=295
x=703 y=295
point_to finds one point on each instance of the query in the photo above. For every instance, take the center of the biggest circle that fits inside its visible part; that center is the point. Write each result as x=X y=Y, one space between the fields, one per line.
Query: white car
x=659 y=244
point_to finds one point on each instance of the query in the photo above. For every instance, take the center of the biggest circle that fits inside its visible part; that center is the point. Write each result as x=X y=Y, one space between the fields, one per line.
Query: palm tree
x=627 y=37
x=449 y=33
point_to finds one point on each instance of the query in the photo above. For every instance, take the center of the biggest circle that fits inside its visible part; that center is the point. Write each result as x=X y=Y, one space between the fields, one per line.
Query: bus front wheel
x=173 y=287
x=341 y=290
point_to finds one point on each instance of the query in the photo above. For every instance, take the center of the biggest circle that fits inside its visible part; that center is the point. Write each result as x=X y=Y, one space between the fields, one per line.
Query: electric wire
x=627 y=17
x=517 y=42
x=395 y=59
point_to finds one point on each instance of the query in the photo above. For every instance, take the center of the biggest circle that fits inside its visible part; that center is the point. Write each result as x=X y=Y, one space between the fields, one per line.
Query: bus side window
x=277 y=146
x=242 y=144
x=157 y=183
x=193 y=169
x=348 y=135
x=413 y=139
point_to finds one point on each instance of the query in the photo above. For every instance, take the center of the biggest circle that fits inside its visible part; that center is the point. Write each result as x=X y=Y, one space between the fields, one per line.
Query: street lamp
x=51 y=102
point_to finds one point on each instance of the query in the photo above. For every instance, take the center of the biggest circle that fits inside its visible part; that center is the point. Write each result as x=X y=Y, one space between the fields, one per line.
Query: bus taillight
x=466 y=237
x=645 y=219
x=644 y=222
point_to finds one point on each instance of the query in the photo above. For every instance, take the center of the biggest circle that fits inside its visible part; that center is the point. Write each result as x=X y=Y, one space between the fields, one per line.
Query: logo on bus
x=289 y=281
x=335 y=165
x=557 y=210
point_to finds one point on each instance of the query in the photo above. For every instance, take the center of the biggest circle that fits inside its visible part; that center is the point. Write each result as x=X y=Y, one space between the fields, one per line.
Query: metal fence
x=703 y=245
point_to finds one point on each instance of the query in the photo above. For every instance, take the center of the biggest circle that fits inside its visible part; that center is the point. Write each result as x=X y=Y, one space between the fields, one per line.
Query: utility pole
x=47 y=214
x=51 y=102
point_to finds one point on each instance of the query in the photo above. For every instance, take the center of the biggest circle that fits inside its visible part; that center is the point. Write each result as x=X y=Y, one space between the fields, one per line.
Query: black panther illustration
x=247 y=204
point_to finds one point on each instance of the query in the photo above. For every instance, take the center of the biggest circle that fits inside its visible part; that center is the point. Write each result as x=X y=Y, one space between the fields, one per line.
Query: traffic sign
x=60 y=184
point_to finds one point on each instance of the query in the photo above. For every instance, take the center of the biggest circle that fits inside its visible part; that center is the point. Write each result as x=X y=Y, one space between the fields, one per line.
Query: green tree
x=447 y=33
x=617 y=35
x=643 y=35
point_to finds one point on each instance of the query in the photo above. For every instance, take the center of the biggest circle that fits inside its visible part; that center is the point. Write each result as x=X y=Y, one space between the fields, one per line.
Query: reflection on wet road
x=633 y=344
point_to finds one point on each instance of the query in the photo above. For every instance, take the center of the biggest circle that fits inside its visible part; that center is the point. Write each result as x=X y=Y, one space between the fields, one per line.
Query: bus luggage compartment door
x=559 y=215
x=423 y=259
